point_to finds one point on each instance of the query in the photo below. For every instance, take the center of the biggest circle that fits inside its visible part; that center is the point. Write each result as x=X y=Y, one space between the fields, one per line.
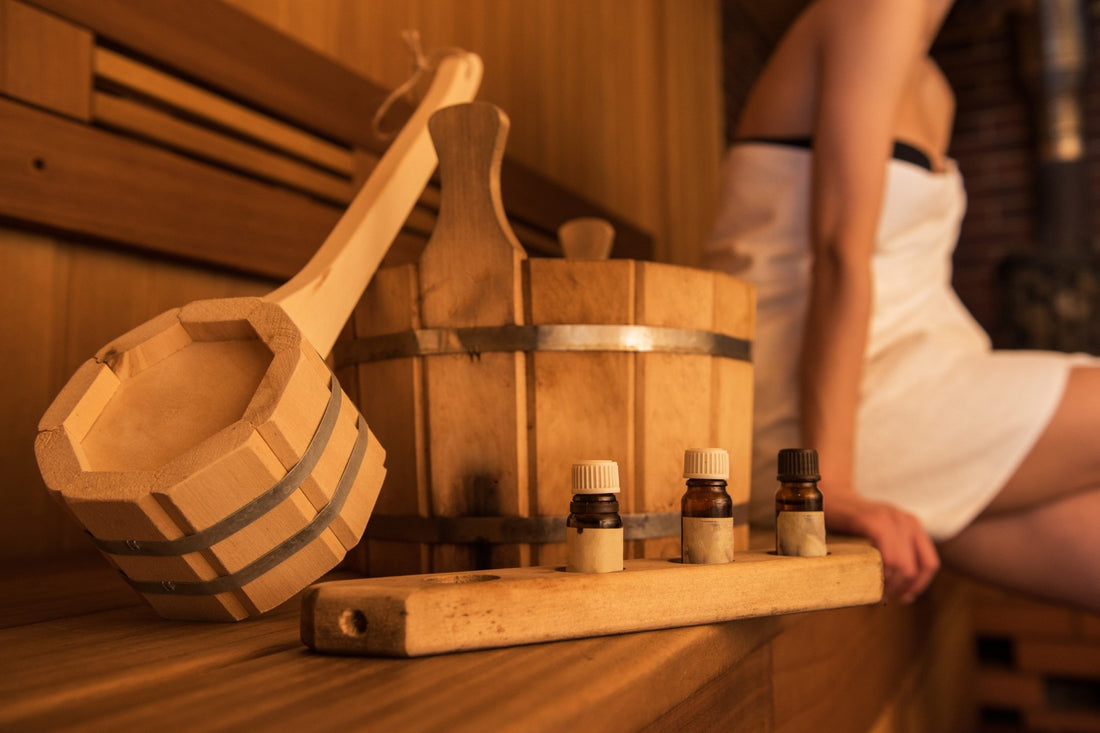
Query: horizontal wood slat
x=1073 y=658
x=224 y=49
x=68 y=176
x=228 y=50
x=130 y=74
x=58 y=79
x=126 y=669
x=130 y=116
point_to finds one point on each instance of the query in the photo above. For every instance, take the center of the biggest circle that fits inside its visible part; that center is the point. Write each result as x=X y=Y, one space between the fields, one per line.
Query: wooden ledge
x=444 y=612
x=86 y=652
x=110 y=663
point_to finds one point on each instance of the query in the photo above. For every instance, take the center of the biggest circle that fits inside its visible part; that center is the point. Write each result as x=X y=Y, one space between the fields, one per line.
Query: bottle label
x=593 y=550
x=706 y=540
x=801 y=534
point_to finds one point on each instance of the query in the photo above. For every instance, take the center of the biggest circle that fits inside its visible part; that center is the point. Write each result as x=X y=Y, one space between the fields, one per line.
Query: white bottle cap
x=596 y=477
x=713 y=463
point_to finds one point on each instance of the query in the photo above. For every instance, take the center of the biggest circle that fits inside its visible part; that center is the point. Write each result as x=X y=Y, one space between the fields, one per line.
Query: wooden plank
x=227 y=50
x=998 y=612
x=1070 y=658
x=470 y=275
x=137 y=119
x=32 y=370
x=68 y=176
x=1090 y=625
x=72 y=660
x=674 y=391
x=582 y=403
x=44 y=60
x=44 y=590
x=734 y=700
x=392 y=401
x=731 y=408
x=251 y=676
x=133 y=75
x=422 y=615
x=1007 y=688
x=937 y=691
x=867 y=652
x=690 y=111
x=1079 y=721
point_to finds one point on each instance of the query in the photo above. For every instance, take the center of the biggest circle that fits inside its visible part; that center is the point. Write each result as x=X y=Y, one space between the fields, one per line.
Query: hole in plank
x=353 y=622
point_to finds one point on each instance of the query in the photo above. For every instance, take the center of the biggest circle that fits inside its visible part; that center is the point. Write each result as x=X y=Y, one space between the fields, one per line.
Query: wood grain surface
x=628 y=105
x=104 y=668
x=421 y=615
x=89 y=656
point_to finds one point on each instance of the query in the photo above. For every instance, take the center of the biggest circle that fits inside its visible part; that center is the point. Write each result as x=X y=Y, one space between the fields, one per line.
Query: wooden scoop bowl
x=210 y=452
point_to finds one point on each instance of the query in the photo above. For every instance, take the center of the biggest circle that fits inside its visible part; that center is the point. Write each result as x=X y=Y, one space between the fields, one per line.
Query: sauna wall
x=617 y=100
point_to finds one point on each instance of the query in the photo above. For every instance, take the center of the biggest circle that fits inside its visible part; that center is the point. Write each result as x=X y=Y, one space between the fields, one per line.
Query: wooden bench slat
x=45 y=60
x=226 y=49
x=254 y=674
x=126 y=72
x=69 y=176
x=132 y=117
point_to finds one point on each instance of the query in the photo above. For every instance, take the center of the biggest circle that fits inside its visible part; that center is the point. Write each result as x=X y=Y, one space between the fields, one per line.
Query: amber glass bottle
x=706 y=524
x=799 y=505
x=594 y=529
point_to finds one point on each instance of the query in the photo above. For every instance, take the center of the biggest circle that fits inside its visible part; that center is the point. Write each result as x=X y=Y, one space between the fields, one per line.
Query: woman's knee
x=1066 y=457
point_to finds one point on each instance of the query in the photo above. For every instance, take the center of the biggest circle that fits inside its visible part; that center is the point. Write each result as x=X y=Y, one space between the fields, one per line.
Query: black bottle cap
x=798 y=464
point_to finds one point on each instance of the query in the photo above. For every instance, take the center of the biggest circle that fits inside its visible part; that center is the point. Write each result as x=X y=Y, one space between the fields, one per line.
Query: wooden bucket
x=487 y=375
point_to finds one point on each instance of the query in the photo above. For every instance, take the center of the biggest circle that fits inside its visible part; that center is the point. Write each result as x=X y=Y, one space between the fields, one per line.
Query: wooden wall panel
x=61 y=303
x=618 y=100
x=61 y=80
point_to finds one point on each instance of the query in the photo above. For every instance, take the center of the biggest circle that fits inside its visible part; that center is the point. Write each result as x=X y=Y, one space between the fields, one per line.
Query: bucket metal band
x=557 y=337
x=251 y=511
x=517 y=530
x=281 y=552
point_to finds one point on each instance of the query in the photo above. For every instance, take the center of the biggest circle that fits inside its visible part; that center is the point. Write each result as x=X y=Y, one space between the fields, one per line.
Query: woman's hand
x=909 y=558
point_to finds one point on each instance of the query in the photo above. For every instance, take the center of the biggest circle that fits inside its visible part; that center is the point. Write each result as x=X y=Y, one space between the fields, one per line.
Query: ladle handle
x=321 y=297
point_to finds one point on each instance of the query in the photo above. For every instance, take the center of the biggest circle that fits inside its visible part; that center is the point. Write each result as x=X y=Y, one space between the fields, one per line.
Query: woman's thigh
x=1066 y=457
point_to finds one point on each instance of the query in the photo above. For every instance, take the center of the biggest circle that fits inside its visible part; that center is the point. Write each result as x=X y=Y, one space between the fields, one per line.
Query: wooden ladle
x=210 y=452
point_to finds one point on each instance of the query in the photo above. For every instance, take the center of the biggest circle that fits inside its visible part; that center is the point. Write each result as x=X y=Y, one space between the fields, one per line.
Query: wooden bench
x=84 y=651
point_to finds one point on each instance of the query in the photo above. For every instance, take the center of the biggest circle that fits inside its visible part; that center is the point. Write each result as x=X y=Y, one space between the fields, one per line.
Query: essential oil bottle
x=594 y=529
x=706 y=511
x=799 y=506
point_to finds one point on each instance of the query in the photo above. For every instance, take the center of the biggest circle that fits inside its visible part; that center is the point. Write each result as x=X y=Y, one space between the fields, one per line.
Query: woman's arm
x=868 y=51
